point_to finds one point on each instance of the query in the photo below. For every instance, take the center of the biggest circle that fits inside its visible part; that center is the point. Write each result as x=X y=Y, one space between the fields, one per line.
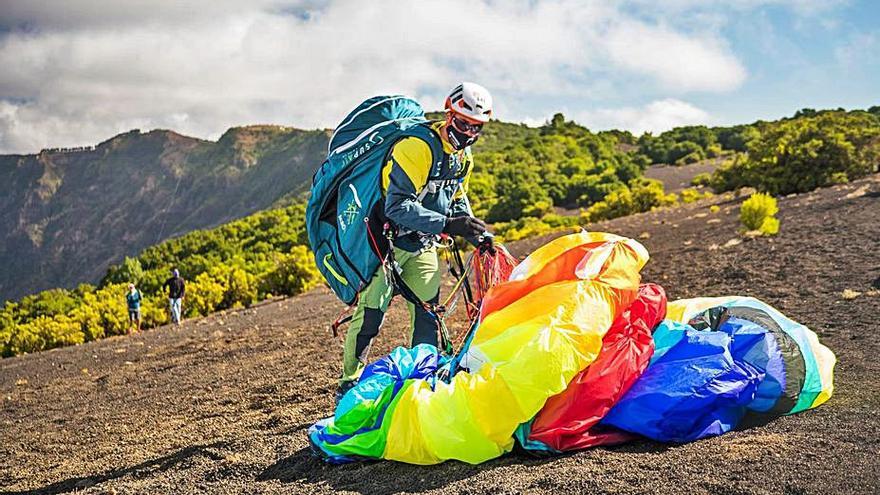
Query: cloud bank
x=83 y=70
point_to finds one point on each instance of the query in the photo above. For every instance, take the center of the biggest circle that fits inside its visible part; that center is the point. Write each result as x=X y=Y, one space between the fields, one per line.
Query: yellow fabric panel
x=410 y=444
x=530 y=350
x=530 y=307
x=413 y=155
x=446 y=410
x=825 y=361
x=620 y=274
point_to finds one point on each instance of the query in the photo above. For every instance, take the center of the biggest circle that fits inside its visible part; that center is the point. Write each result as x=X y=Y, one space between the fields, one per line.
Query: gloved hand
x=464 y=226
x=486 y=244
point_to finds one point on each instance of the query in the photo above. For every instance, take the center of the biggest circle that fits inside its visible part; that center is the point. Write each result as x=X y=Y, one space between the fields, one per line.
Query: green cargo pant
x=421 y=272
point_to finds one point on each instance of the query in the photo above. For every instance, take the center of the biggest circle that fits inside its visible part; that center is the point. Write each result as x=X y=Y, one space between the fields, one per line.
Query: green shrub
x=523 y=228
x=690 y=195
x=838 y=178
x=43 y=333
x=130 y=270
x=680 y=145
x=689 y=158
x=203 y=295
x=685 y=152
x=648 y=194
x=46 y=303
x=703 y=179
x=641 y=195
x=154 y=310
x=770 y=226
x=538 y=209
x=112 y=309
x=88 y=316
x=801 y=154
x=757 y=214
x=294 y=272
x=736 y=138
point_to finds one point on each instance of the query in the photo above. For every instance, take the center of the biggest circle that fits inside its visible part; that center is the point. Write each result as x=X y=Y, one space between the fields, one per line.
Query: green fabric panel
x=370 y=443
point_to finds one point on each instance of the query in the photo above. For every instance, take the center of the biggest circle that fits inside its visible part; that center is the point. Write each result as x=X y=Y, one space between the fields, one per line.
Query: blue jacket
x=133 y=300
x=422 y=190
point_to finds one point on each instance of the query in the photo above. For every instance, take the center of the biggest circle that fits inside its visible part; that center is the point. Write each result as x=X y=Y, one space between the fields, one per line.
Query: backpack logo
x=348 y=215
x=374 y=140
x=351 y=211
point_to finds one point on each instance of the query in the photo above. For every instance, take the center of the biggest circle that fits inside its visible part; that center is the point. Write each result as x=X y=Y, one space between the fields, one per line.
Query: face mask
x=462 y=134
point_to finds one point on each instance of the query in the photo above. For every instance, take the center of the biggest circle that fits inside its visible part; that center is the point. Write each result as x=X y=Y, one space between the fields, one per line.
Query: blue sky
x=825 y=60
x=85 y=70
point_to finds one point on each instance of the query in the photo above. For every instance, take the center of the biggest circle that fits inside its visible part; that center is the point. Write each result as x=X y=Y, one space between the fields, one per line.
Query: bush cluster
x=526 y=172
x=641 y=195
x=690 y=144
x=638 y=196
x=812 y=150
x=532 y=227
x=691 y=195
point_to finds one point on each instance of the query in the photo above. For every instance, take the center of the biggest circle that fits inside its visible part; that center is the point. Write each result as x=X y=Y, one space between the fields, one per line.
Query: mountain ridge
x=98 y=204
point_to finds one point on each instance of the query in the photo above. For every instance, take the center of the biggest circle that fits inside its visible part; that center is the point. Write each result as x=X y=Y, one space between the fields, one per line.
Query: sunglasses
x=469 y=128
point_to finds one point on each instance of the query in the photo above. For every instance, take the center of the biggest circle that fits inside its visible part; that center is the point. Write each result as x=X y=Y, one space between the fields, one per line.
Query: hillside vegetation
x=521 y=175
x=251 y=259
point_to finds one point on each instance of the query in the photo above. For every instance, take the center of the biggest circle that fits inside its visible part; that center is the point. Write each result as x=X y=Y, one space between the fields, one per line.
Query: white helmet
x=471 y=101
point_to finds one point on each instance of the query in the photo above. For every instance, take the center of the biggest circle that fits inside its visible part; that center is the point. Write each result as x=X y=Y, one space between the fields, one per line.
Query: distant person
x=176 y=292
x=133 y=299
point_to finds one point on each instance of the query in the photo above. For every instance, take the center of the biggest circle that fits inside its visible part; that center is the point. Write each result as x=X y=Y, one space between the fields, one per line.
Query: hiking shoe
x=342 y=389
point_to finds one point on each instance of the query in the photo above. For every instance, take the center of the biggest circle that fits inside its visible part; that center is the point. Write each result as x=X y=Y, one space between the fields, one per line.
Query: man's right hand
x=465 y=226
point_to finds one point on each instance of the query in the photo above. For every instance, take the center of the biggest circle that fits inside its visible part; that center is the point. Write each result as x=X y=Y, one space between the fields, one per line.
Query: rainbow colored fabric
x=572 y=352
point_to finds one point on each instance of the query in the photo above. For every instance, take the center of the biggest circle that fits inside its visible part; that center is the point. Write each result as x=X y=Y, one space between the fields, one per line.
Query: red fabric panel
x=568 y=420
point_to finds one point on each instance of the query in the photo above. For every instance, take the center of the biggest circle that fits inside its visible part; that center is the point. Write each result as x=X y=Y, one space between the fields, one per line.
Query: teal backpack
x=345 y=216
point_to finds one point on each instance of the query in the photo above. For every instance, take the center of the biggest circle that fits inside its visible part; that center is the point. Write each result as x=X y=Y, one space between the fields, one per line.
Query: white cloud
x=655 y=117
x=84 y=70
x=679 y=62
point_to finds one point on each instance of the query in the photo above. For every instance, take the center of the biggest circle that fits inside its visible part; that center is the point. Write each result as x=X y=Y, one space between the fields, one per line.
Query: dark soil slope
x=222 y=405
x=678 y=177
